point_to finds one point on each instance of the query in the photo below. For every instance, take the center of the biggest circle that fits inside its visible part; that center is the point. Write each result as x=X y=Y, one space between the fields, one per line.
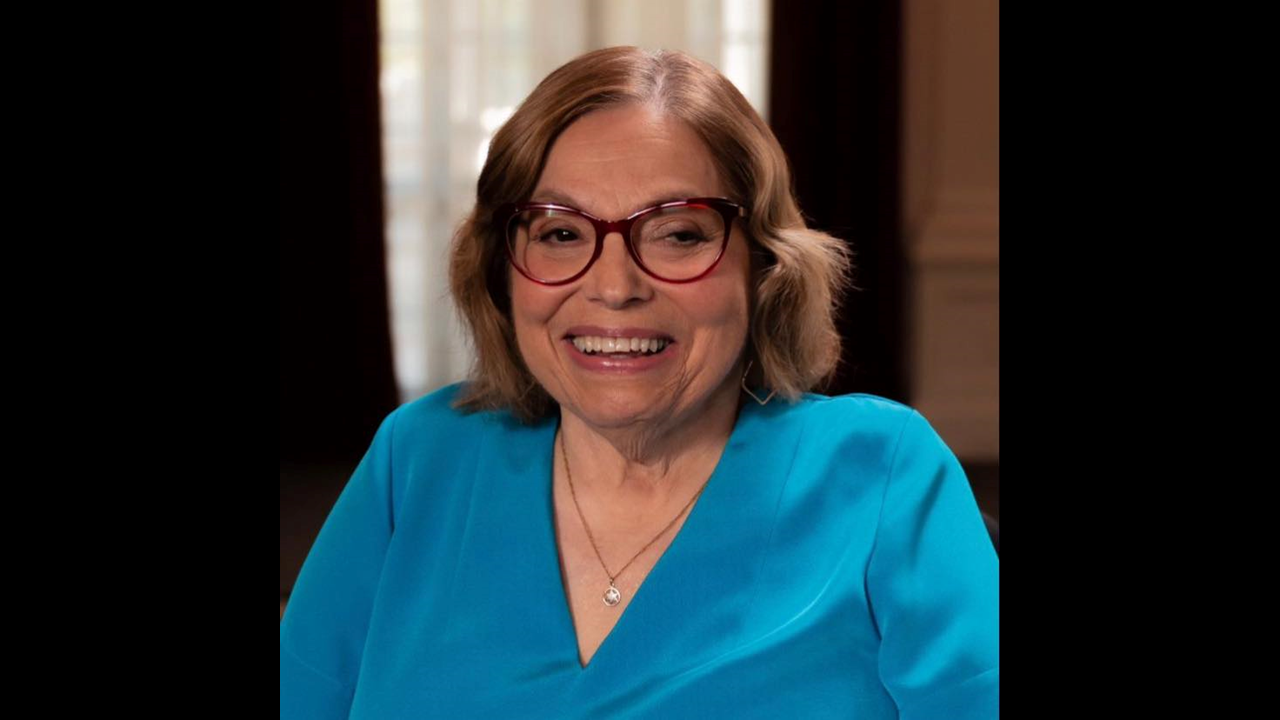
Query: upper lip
x=630 y=332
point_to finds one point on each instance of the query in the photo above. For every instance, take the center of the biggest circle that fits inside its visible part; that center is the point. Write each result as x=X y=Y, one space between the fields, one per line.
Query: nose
x=615 y=280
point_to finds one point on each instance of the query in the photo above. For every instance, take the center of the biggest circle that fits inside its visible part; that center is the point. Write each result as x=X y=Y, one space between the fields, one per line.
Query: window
x=452 y=71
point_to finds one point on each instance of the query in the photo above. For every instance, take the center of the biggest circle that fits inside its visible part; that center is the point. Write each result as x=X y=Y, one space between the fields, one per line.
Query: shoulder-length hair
x=798 y=273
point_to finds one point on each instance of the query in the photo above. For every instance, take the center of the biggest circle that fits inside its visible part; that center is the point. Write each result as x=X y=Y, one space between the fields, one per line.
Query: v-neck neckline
x=655 y=583
x=636 y=594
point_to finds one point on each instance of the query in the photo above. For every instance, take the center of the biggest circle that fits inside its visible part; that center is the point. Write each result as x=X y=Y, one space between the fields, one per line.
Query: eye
x=557 y=235
x=686 y=237
x=676 y=236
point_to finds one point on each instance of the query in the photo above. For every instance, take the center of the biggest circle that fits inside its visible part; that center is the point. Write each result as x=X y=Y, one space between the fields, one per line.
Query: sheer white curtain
x=452 y=73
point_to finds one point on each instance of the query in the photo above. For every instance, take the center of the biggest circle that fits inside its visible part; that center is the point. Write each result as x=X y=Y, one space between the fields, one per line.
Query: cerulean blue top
x=835 y=566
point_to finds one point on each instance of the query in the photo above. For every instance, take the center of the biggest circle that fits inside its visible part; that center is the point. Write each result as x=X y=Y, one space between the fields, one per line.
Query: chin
x=621 y=409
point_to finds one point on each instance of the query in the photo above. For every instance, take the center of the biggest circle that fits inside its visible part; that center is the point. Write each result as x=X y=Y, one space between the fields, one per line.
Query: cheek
x=722 y=311
x=524 y=315
x=525 y=303
x=531 y=311
x=726 y=301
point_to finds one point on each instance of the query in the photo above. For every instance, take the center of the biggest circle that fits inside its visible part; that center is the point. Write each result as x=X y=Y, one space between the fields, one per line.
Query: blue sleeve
x=933 y=584
x=326 y=621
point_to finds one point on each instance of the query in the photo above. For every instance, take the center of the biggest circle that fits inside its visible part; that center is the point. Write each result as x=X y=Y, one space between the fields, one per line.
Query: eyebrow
x=561 y=198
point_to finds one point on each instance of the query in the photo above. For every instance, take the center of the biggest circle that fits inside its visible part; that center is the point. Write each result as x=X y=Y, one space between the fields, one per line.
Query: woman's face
x=611 y=163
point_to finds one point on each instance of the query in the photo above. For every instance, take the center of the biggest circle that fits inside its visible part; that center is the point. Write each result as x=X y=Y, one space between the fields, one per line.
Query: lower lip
x=621 y=365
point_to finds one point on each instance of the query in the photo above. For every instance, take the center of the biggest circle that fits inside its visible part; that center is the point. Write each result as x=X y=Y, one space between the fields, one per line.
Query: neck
x=650 y=465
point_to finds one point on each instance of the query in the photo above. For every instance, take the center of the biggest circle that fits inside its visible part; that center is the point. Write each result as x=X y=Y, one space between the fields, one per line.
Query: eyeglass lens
x=673 y=243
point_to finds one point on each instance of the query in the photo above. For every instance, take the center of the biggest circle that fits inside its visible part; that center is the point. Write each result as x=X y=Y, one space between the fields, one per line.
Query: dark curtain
x=336 y=374
x=834 y=105
x=337 y=379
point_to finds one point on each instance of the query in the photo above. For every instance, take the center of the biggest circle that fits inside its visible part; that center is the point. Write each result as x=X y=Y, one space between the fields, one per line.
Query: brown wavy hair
x=799 y=273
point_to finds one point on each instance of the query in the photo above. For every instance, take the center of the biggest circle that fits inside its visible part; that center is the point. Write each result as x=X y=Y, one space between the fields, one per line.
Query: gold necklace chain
x=613 y=596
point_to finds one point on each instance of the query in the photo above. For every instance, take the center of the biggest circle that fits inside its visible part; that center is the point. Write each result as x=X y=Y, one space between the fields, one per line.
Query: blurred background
x=888 y=112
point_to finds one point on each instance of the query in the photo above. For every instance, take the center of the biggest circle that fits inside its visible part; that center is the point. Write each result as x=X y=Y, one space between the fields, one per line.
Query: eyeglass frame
x=729 y=210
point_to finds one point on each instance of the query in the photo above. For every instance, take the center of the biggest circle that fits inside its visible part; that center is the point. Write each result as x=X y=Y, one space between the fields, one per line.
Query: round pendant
x=612 y=596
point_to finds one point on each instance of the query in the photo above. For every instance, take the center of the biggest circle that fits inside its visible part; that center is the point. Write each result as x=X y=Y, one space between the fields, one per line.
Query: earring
x=747 y=390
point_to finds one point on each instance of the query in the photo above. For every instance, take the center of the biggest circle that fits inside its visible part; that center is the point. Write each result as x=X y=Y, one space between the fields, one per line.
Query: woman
x=634 y=509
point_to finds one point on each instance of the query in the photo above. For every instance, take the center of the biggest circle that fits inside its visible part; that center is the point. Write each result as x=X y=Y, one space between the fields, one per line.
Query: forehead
x=616 y=161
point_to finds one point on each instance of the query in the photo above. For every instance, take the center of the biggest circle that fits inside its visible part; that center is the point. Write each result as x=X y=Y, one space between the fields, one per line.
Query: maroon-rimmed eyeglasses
x=677 y=242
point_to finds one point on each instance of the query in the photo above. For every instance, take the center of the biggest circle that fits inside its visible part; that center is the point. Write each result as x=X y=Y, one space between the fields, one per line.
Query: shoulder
x=426 y=446
x=435 y=412
x=862 y=404
x=860 y=427
x=432 y=423
x=853 y=414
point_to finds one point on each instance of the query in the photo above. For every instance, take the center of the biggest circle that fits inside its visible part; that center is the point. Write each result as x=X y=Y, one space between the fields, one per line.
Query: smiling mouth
x=619 y=347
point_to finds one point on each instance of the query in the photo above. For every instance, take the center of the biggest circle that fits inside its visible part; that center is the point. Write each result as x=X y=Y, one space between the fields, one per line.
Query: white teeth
x=590 y=344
